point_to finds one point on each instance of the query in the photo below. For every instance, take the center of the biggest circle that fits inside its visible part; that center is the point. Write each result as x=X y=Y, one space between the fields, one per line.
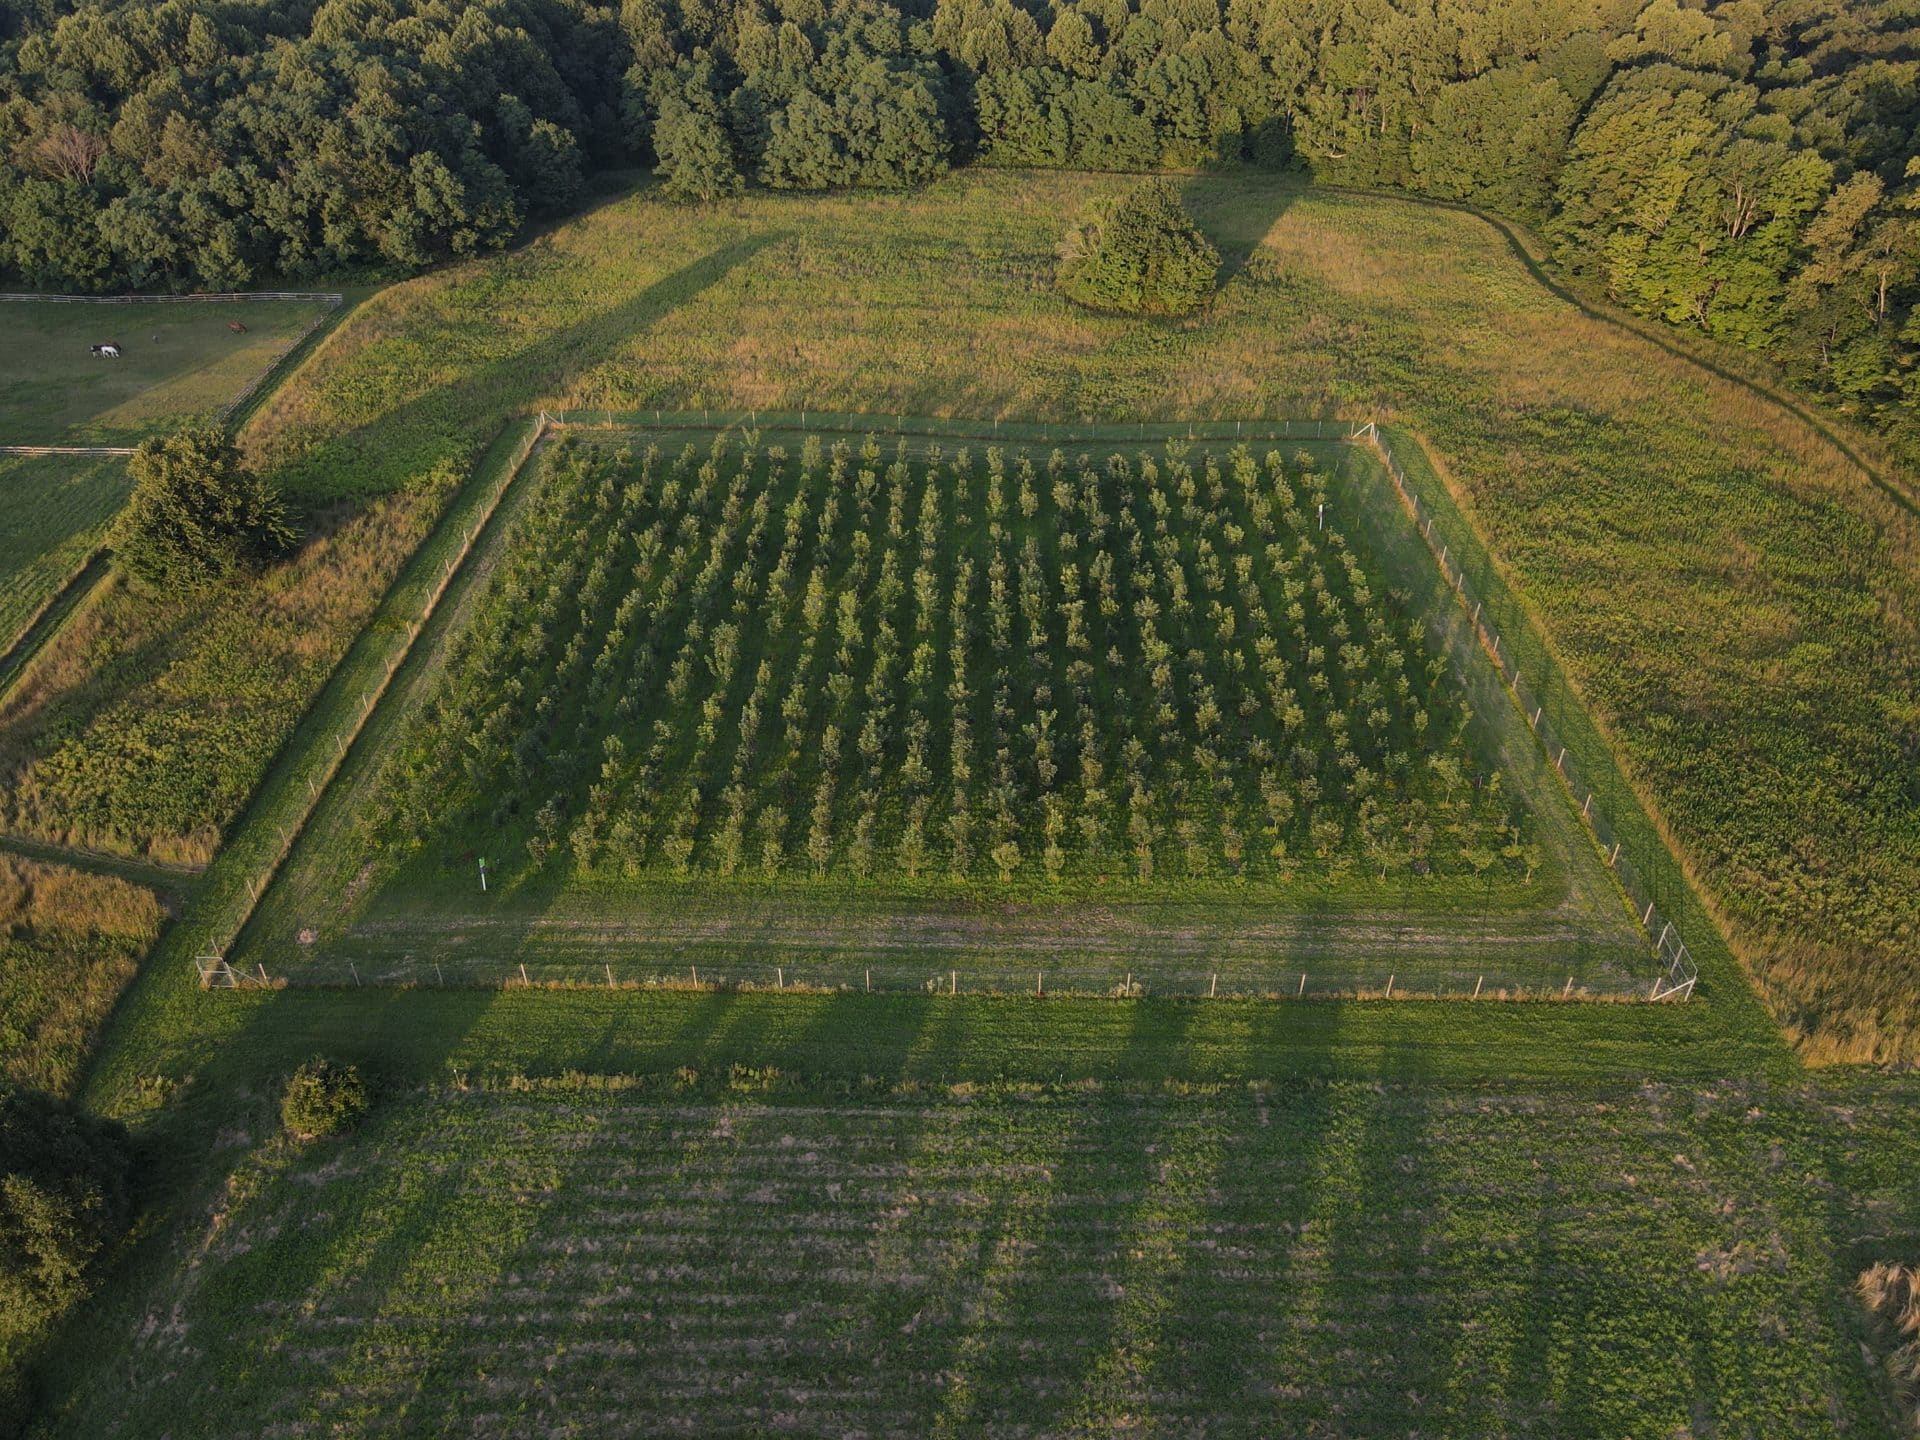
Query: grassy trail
x=177 y=882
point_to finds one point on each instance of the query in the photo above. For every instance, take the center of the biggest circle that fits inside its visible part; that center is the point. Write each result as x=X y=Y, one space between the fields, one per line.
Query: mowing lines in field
x=1679 y=974
x=1276 y=1260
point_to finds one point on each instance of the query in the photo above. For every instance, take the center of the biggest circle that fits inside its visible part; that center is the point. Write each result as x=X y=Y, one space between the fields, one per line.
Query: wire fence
x=328 y=304
x=818 y=422
x=45 y=450
x=329 y=298
x=1605 y=981
x=1679 y=973
x=928 y=976
x=213 y=967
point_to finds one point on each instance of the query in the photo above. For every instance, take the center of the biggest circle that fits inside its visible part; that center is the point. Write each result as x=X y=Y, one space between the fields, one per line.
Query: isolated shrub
x=64 y=1198
x=197 y=515
x=323 y=1097
x=1142 y=256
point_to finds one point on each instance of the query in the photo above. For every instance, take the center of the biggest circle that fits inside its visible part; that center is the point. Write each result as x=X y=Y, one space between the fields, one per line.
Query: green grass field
x=593 y=1211
x=178 y=362
x=58 y=509
x=719 y=1255
x=1704 y=587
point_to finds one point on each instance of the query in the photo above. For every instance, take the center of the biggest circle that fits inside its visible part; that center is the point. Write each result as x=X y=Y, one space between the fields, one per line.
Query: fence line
x=97 y=450
x=1679 y=971
x=329 y=298
x=212 y=967
x=893 y=978
x=329 y=304
x=840 y=423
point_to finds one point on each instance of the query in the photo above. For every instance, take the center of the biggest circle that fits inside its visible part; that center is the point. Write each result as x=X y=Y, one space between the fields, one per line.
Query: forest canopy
x=1749 y=168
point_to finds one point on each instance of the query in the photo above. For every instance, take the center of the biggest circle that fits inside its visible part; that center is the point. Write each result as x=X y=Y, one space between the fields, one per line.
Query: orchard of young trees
x=1750 y=168
x=971 y=669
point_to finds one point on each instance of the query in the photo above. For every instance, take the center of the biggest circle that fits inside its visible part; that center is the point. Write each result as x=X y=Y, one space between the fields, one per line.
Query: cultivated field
x=724 y=1255
x=1707 y=587
x=177 y=362
x=849 y=713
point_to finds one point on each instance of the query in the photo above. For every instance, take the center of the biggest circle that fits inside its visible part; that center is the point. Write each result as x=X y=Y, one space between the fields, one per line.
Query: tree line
x=1749 y=168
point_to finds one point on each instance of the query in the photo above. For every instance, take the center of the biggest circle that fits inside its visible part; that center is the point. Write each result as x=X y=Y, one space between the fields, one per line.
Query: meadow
x=69 y=942
x=1365 y=1215
x=178 y=362
x=735 y=1252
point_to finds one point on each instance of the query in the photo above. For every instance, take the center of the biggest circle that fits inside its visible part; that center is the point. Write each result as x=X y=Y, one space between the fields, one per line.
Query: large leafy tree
x=65 y=1197
x=197 y=514
x=1696 y=161
x=693 y=150
x=1143 y=255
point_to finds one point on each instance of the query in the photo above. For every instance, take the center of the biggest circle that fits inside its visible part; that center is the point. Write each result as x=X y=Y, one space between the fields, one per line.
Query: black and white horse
x=108 y=351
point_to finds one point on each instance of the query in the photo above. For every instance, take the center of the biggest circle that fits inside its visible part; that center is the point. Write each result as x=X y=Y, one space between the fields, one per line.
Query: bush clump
x=323 y=1097
x=1142 y=256
x=197 y=516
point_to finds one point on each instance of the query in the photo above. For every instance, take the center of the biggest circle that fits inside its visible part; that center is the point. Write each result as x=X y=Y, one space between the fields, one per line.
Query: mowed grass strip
x=178 y=361
x=723 y=1256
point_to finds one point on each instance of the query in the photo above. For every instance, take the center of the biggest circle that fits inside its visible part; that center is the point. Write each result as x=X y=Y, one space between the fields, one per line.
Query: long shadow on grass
x=1380 y=1240
x=1100 y=1196
x=1243 y=1315
x=729 y=1052
x=1237 y=218
x=549 y=365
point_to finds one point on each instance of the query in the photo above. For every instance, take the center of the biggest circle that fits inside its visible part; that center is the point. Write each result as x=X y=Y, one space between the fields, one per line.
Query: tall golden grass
x=1891 y=1293
x=69 y=942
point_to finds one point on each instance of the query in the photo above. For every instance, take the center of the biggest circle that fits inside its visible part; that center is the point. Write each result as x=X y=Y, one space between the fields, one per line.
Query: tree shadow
x=1237 y=212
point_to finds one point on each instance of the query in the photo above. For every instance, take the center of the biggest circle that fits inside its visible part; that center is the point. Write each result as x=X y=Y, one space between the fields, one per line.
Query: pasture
x=844 y=713
x=58 y=508
x=178 y=361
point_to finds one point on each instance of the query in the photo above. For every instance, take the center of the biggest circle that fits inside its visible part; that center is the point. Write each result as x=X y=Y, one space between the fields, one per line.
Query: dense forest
x=1749 y=168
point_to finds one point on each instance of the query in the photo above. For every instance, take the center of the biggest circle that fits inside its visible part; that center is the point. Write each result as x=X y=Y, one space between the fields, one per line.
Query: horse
x=109 y=351
x=236 y=327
